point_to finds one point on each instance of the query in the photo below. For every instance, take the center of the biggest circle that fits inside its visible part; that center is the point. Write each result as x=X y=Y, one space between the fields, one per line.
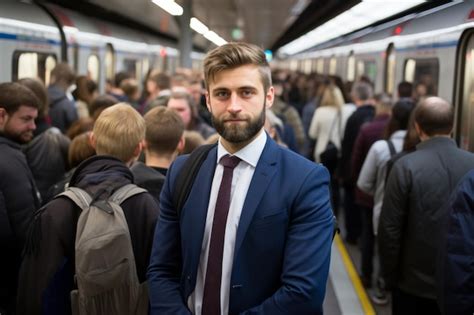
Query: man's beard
x=234 y=133
x=20 y=138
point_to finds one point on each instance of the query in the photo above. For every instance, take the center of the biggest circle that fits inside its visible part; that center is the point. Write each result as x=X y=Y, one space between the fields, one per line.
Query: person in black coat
x=19 y=197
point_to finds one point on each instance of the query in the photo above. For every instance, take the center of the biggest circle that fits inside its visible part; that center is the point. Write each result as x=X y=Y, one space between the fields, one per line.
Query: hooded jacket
x=46 y=274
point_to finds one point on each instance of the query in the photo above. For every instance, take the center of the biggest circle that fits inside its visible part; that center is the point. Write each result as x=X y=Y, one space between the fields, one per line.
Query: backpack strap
x=125 y=192
x=391 y=147
x=79 y=196
x=187 y=175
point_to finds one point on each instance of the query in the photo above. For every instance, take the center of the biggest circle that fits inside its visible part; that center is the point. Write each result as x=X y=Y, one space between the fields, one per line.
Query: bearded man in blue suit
x=268 y=251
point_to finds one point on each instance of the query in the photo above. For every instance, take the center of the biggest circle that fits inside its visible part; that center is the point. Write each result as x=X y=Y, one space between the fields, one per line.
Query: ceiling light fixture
x=361 y=15
x=198 y=26
x=169 y=6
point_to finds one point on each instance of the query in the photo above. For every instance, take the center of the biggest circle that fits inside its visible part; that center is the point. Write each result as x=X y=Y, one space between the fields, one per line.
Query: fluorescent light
x=169 y=6
x=216 y=39
x=359 y=16
x=198 y=26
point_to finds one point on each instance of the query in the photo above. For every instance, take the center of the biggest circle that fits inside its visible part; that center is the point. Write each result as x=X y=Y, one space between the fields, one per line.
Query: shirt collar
x=250 y=153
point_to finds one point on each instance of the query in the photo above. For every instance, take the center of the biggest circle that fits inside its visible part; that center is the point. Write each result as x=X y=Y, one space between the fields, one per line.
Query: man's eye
x=247 y=93
x=221 y=94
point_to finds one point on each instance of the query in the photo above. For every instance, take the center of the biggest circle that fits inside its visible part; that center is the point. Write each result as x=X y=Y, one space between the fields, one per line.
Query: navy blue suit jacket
x=282 y=249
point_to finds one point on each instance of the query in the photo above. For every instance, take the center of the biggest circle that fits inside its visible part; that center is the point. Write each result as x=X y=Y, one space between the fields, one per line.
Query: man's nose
x=234 y=105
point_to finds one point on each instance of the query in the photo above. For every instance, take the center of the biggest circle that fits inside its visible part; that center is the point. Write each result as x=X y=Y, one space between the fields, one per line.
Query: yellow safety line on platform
x=364 y=300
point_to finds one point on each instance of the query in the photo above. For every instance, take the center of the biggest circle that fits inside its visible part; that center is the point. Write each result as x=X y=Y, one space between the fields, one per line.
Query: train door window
x=307 y=66
x=93 y=67
x=466 y=121
x=49 y=65
x=424 y=73
x=109 y=62
x=32 y=65
x=370 y=70
x=390 y=69
x=130 y=66
x=28 y=65
x=360 y=68
x=351 y=68
x=333 y=66
x=293 y=65
x=145 y=67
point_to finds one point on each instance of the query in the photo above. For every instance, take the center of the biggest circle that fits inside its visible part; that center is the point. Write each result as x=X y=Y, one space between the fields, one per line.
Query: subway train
x=34 y=38
x=434 y=48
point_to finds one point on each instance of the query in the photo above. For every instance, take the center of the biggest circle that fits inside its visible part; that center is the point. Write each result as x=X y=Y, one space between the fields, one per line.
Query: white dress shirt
x=241 y=179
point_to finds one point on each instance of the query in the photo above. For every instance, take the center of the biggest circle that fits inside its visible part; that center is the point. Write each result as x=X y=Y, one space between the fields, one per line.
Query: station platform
x=345 y=294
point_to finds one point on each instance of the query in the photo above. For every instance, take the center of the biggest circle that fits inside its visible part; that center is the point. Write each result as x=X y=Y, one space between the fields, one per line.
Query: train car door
x=464 y=97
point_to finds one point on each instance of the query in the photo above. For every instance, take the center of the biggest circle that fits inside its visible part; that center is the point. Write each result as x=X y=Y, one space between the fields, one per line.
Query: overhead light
x=361 y=15
x=198 y=26
x=216 y=39
x=169 y=6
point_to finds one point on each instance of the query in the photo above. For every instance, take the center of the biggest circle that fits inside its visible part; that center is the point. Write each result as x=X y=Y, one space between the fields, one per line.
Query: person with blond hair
x=49 y=259
x=214 y=255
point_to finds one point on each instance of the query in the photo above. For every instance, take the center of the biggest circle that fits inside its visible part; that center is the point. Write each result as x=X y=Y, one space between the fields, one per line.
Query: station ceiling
x=267 y=23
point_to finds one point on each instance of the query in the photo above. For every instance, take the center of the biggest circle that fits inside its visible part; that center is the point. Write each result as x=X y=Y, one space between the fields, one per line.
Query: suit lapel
x=264 y=172
x=197 y=205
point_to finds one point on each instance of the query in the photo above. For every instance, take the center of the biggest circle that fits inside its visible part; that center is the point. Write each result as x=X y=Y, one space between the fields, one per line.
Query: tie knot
x=229 y=161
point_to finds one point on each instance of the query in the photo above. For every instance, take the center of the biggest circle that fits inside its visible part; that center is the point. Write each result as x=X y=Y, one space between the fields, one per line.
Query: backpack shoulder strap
x=187 y=174
x=125 y=192
x=391 y=147
x=79 y=196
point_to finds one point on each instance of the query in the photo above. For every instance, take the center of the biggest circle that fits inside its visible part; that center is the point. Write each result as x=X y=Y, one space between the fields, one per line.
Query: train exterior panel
x=430 y=48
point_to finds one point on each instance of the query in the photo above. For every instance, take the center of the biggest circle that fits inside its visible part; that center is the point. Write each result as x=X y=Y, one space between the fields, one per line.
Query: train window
x=320 y=66
x=466 y=122
x=351 y=68
x=49 y=65
x=333 y=66
x=109 y=62
x=307 y=66
x=424 y=73
x=146 y=67
x=93 y=67
x=28 y=64
x=367 y=68
x=390 y=69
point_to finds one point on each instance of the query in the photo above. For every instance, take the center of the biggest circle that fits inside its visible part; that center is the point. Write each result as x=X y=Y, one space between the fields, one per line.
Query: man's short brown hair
x=164 y=129
x=13 y=95
x=234 y=55
x=434 y=116
x=118 y=130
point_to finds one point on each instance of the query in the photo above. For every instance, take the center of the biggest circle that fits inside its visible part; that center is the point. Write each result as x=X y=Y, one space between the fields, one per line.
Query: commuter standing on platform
x=19 y=197
x=268 y=254
x=415 y=207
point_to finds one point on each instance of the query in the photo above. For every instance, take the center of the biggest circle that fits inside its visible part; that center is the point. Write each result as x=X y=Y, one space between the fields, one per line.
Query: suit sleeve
x=164 y=271
x=392 y=218
x=307 y=251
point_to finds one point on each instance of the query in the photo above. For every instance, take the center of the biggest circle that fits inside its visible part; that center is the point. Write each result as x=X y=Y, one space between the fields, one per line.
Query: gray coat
x=414 y=210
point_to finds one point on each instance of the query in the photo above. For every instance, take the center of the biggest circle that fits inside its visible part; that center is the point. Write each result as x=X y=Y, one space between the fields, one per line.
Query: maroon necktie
x=211 y=302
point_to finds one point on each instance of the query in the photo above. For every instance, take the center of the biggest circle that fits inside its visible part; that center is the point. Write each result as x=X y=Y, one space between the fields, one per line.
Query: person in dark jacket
x=47 y=271
x=19 y=197
x=163 y=141
x=414 y=209
x=362 y=95
x=47 y=152
x=62 y=109
x=456 y=260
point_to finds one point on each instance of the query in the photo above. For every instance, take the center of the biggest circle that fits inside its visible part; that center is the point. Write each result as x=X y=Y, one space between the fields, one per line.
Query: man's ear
x=139 y=148
x=92 y=140
x=270 y=96
x=208 y=101
x=181 y=144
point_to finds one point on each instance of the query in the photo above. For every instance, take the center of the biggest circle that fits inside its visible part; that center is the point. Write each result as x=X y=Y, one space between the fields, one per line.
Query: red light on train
x=398 y=30
x=471 y=15
x=163 y=52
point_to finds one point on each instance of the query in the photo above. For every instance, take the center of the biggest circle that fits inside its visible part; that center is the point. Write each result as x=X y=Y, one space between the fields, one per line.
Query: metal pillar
x=185 y=36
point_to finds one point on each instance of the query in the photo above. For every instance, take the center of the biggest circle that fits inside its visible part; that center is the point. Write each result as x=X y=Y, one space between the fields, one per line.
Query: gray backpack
x=106 y=276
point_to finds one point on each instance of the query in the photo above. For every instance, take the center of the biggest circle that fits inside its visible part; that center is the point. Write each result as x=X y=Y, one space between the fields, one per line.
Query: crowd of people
x=392 y=175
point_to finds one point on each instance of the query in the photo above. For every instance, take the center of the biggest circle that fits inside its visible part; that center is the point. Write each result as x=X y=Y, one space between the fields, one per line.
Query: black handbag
x=330 y=156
